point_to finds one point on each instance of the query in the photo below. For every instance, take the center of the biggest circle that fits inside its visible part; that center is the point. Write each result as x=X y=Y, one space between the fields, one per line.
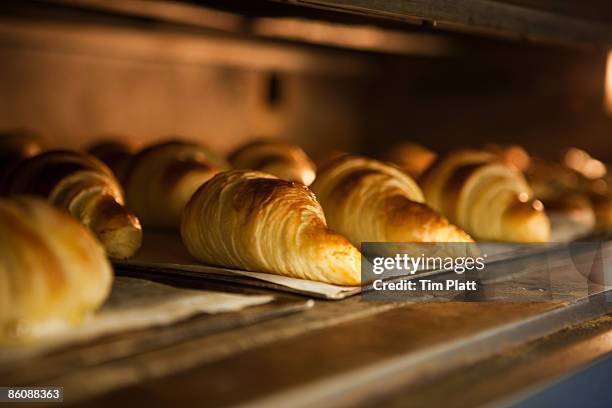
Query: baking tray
x=84 y=348
x=163 y=254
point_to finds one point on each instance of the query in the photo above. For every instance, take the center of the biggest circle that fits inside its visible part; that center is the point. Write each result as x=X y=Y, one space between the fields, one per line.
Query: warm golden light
x=537 y=205
x=362 y=37
x=608 y=85
x=583 y=163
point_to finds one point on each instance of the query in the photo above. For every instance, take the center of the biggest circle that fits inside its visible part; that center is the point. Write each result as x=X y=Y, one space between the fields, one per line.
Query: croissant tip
x=123 y=242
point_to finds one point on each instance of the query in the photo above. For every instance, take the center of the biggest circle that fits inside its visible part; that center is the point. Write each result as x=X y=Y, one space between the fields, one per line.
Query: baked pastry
x=115 y=154
x=602 y=206
x=14 y=147
x=87 y=188
x=53 y=272
x=555 y=183
x=584 y=164
x=511 y=155
x=161 y=179
x=279 y=158
x=488 y=199
x=413 y=158
x=571 y=216
x=255 y=221
x=369 y=201
x=549 y=179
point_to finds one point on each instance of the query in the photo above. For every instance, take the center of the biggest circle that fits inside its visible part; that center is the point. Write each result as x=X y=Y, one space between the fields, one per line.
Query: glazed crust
x=115 y=154
x=412 y=158
x=489 y=200
x=161 y=179
x=88 y=189
x=370 y=201
x=15 y=147
x=602 y=206
x=52 y=270
x=254 y=221
x=279 y=158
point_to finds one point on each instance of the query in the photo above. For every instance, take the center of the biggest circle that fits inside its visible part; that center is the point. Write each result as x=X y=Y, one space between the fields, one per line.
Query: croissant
x=581 y=176
x=115 y=154
x=14 y=147
x=369 y=201
x=160 y=180
x=87 y=188
x=254 y=221
x=489 y=200
x=602 y=206
x=53 y=272
x=512 y=155
x=412 y=158
x=279 y=158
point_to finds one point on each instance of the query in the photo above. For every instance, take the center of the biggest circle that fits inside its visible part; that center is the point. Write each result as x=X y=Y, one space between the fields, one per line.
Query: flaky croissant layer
x=161 y=179
x=488 y=199
x=254 y=221
x=86 y=187
x=370 y=201
x=277 y=157
x=53 y=272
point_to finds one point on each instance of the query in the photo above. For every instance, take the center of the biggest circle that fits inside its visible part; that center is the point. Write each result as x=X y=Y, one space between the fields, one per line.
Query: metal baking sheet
x=145 y=316
x=163 y=254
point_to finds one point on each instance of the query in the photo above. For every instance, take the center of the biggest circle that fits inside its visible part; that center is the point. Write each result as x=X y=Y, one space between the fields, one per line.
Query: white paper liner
x=135 y=304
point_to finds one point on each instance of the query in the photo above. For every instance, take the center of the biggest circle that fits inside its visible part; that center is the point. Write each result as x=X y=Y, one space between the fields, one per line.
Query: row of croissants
x=266 y=208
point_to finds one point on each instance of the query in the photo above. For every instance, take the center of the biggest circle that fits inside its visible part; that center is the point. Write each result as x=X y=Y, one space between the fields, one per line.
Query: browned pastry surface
x=115 y=154
x=488 y=199
x=87 y=188
x=370 y=201
x=254 y=221
x=161 y=179
x=53 y=272
x=279 y=158
x=511 y=155
x=602 y=206
x=413 y=158
x=15 y=147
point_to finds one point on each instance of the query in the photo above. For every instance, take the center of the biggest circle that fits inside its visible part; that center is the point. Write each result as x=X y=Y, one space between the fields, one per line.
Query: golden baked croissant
x=413 y=158
x=14 y=147
x=161 y=178
x=115 y=154
x=53 y=272
x=369 y=201
x=279 y=158
x=512 y=155
x=580 y=175
x=87 y=188
x=602 y=206
x=486 y=198
x=254 y=221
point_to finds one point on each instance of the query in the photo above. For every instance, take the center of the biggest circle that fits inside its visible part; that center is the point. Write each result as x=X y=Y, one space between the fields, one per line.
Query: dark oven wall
x=76 y=80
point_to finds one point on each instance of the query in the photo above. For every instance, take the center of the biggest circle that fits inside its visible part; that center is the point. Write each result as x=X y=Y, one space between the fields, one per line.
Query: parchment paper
x=135 y=304
x=164 y=252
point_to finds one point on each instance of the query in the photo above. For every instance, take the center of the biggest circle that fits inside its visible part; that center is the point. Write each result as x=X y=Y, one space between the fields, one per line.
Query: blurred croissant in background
x=487 y=198
x=413 y=158
x=16 y=146
x=161 y=178
x=577 y=180
x=115 y=153
x=370 y=201
x=255 y=221
x=87 y=188
x=277 y=157
x=53 y=272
